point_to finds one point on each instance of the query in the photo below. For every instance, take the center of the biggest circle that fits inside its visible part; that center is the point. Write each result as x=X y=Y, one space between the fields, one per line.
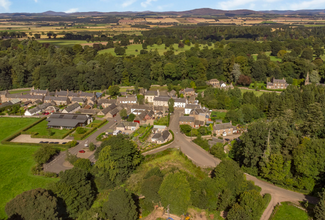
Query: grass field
x=15 y=163
x=41 y=129
x=161 y=49
x=63 y=42
x=272 y=58
x=257 y=93
x=289 y=212
x=24 y=91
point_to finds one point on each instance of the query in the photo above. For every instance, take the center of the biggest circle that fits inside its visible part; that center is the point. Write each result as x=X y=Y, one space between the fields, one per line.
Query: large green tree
x=175 y=193
x=35 y=204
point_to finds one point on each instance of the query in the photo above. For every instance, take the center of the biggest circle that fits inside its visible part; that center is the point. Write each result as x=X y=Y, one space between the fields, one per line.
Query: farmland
x=16 y=163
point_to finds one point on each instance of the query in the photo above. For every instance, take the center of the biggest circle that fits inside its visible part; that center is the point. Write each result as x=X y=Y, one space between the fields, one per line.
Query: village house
x=87 y=95
x=39 y=92
x=6 y=97
x=159 y=128
x=150 y=95
x=161 y=101
x=68 y=121
x=161 y=137
x=215 y=141
x=188 y=92
x=38 y=109
x=73 y=108
x=80 y=101
x=127 y=100
x=109 y=112
x=146 y=117
x=138 y=109
x=106 y=102
x=6 y=104
x=172 y=93
x=187 y=120
x=51 y=109
x=190 y=107
x=91 y=112
x=224 y=129
x=277 y=84
x=57 y=100
x=201 y=114
x=214 y=83
x=180 y=102
x=123 y=126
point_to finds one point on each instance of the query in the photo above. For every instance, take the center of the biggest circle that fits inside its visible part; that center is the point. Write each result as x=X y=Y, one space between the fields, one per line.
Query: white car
x=116 y=132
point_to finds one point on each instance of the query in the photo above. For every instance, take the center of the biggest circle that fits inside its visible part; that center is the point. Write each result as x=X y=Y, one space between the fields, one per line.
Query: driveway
x=26 y=138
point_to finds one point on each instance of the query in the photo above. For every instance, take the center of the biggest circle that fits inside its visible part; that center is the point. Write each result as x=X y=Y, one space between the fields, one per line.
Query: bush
x=218 y=151
x=92 y=147
x=44 y=154
x=202 y=143
x=72 y=143
x=185 y=128
x=83 y=164
x=80 y=130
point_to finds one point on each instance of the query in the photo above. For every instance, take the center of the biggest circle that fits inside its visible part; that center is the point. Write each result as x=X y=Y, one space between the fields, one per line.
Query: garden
x=162 y=121
x=194 y=132
x=41 y=131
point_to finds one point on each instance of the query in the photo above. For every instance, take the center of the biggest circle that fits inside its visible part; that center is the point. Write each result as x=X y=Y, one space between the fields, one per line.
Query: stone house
x=150 y=95
x=161 y=137
x=187 y=120
x=224 y=129
x=277 y=84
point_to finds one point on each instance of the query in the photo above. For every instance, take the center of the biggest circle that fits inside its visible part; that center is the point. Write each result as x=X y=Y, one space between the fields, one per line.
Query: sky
x=69 y=6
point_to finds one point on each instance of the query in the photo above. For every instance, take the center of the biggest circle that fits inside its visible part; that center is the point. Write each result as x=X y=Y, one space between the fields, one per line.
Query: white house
x=127 y=100
x=180 y=102
x=37 y=109
x=190 y=107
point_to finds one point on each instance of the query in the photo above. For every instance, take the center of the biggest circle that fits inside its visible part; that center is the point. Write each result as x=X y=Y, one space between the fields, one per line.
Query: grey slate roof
x=192 y=106
x=161 y=136
x=128 y=98
x=186 y=119
x=101 y=101
x=223 y=126
x=39 y=108
x=72 y=107
x=78 y=99
x=6 y=104
x=161 y=98
x=152 y=92
x=66 y=120
x=189 y=90
x=182 y=100
x=109 y=108
x=27 y=96
x=55 y=98
x=39 y=91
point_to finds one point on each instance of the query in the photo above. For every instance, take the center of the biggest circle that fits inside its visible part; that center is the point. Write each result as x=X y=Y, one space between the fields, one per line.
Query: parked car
x=56 y=142
x=45 y=142
x=81 y=151
x=64 y=142
x=51 y=143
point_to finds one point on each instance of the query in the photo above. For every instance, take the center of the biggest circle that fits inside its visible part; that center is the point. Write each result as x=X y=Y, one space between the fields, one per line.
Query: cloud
x=307 y=5
x=72 y=10
x=128 y=3
x=147 y=2
x=162 y=7
x=5 y=4
x=36 y=1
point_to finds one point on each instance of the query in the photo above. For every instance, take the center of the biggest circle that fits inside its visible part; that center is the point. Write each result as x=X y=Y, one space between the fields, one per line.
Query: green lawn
x=63 y=42
x=257 y=93
x=218 y=115
x=162 y=121
x=9 y=126
x=161 y=49
x=15 y=163
x=289 y=212
x=41 y=129
x=24 y=91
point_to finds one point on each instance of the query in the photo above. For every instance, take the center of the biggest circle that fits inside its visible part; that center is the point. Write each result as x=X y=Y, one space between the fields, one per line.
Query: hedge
x=34 y=134
x=90 y=131
x=145 y=134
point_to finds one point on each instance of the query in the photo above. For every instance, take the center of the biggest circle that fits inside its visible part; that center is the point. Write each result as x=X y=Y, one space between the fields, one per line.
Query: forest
x=29 y=63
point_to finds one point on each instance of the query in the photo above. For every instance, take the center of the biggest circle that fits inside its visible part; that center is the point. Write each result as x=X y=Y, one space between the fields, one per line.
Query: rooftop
x=186 y=119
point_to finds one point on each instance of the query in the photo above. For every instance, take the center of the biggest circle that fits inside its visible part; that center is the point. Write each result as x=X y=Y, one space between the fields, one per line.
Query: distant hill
x=194 y=12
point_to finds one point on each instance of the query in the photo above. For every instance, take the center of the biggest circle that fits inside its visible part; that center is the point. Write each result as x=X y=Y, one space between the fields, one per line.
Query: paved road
x=56 y=165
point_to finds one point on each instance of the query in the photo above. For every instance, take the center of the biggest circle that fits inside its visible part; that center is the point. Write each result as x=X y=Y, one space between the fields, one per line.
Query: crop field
x=15 y=163
x=131 y=49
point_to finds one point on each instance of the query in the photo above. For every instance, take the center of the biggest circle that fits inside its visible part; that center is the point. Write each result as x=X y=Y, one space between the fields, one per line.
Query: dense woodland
x=29 y=63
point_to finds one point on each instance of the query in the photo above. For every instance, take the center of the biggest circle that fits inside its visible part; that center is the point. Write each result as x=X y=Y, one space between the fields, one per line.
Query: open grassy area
x=257 y=93
x=131 y=49
x=15 y=163
x=289 y=212
x=24 y=91
x=41 y=129
x=272 y=58
x=63 y=42
x=9 y=126
x=218 y=115
x=162 y=121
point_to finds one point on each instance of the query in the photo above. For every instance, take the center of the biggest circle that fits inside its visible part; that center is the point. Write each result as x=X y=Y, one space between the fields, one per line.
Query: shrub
x=80 y=130
x=44 y=154
x=185 y=128
x=218 y=151
x=73 y=143
x=92 y=147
